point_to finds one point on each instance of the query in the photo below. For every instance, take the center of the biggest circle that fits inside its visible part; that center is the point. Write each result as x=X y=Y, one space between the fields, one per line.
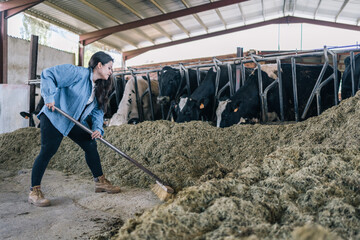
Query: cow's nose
x=163 y=99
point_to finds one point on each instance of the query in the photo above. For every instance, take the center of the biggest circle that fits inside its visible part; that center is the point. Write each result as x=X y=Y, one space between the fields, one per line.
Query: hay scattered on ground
x=242 y=182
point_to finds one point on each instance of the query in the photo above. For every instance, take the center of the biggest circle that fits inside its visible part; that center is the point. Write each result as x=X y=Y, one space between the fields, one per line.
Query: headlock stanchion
x=294 y=82
x=277 y=58
x=317 y=86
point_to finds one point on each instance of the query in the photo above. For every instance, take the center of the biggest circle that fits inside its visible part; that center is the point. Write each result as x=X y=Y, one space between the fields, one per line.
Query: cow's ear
x=203 y=103
x=347 y=61
x=235 y=106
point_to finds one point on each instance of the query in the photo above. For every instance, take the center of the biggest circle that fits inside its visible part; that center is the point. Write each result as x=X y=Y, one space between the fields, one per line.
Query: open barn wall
x=184 y=61
x=194 y=61
x=19 y=51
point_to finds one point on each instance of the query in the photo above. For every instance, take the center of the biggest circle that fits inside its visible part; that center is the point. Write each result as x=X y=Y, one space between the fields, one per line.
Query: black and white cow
x=346 y=85
x=245 y=104
x=173 y=85
x=128 y=109
x=32 y=116
x=201 y=102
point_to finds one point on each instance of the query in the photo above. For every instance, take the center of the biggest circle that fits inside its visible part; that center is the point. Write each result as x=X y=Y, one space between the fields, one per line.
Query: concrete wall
x=19 y=55
x=15 y=96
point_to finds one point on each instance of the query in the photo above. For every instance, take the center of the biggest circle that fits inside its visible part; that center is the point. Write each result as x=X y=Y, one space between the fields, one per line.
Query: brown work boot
x=104 y=185
x=37 y=198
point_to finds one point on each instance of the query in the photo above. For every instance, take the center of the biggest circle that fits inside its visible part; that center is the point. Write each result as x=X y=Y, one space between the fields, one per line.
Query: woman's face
x=104 y=71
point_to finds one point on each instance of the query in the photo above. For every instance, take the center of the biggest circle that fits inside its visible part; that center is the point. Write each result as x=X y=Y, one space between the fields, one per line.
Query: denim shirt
x=70 y=88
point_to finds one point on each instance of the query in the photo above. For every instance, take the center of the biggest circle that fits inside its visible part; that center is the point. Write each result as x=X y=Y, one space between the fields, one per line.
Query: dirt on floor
x=285 y=181
x=76 y=211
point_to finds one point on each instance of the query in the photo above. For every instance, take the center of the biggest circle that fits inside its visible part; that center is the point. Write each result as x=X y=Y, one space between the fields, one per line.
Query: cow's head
x=169 y=81
x=189 y=109
x=244 y=105
x=229 y=113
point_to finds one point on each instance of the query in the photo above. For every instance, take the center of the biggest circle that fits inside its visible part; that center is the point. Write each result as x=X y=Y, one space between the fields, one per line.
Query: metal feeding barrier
x=120 y=79
x=329 y=54
x=292 y=56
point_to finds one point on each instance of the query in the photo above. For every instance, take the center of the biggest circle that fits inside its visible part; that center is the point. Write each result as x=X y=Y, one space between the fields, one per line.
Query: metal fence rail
x=258 y=60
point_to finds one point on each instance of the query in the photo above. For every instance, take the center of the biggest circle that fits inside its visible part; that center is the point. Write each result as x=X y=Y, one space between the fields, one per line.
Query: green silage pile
x=242 y=182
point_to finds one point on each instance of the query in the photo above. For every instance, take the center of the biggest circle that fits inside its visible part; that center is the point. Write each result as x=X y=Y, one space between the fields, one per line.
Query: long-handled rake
x=161 y=190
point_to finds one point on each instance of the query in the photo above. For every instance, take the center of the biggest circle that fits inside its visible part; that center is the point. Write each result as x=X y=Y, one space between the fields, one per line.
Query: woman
x=83 y=94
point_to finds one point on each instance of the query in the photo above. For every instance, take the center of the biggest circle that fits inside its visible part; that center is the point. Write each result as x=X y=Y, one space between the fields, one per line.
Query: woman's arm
x=57 y=77
x=97 y=119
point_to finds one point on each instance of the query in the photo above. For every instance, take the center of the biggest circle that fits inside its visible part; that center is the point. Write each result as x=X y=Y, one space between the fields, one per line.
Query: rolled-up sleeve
x=97 y=119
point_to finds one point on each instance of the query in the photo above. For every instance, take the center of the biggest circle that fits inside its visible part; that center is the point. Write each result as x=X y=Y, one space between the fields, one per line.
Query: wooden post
x=32 y=71
x=3 y=48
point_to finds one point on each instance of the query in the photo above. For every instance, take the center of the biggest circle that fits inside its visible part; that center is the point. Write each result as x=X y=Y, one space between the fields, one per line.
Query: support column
x=32 y=71
x=3 y=49
x=8 y=9
x=81 y=53
x=124 y=58
x=239 y=53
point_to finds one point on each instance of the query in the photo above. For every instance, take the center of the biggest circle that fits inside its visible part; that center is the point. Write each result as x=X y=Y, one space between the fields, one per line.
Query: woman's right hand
x=51 y=106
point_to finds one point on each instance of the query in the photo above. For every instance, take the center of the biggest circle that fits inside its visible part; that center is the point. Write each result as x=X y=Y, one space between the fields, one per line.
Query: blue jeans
x=50 y=142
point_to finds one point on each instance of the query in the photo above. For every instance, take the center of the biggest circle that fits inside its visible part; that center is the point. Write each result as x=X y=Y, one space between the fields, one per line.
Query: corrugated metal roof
x=82 y=16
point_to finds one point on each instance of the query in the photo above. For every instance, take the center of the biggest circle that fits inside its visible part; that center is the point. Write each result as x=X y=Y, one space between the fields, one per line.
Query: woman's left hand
x=96 y=134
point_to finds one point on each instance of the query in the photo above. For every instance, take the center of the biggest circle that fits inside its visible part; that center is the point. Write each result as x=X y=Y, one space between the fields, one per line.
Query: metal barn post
x=34 y=45
x=240 y=54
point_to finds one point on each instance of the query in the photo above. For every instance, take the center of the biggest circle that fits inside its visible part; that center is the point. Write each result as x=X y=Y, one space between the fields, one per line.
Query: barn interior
x=281 y=180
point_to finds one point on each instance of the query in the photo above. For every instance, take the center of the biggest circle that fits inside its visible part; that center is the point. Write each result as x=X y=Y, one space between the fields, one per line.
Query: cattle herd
x=269 y=92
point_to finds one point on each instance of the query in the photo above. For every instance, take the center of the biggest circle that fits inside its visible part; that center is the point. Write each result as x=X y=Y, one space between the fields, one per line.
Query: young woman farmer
x=83 y=94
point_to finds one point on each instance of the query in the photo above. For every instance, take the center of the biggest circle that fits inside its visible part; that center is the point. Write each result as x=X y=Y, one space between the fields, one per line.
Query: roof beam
x=317 y=9
x=116 y=20
x=157 y=27
x=67 y=27
x=220 y=16
x=38 y=15
x=16 y=3
x=242 y=13
x=342 y=8
x=196 y=16
x=284 y=6
x=176 y=22
x=100 y=11
x=289 y=7
x=294 y=8
x=282 y=20
x=70 y=14
x=10 y=8
x=95 y=36
x=83 y=20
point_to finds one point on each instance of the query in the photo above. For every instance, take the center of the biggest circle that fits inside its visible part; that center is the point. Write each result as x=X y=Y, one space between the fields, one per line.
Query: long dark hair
x=102 y=87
